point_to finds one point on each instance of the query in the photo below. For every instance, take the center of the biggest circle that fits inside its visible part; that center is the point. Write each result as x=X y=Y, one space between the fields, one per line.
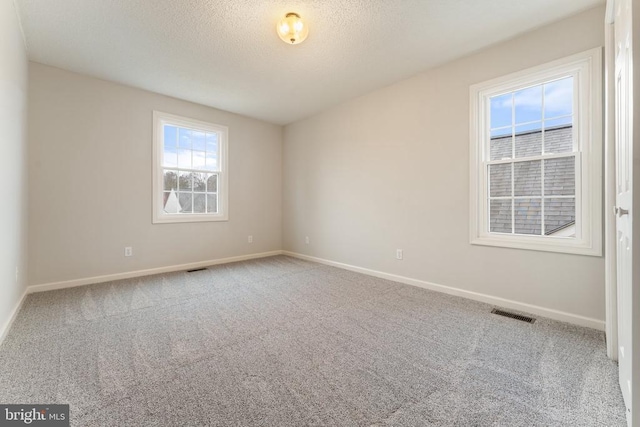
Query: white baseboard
x=501 y=302
x=7 y=325
x=130 y=274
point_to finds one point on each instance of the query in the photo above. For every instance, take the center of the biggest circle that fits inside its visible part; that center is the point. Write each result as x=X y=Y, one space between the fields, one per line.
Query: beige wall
x=385 y=171
x=13 y=148
x=90 y=182
x=391 y=170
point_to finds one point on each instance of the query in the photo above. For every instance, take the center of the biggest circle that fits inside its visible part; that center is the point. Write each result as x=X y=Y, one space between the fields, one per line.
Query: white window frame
x=159 y=215
x=586 y=68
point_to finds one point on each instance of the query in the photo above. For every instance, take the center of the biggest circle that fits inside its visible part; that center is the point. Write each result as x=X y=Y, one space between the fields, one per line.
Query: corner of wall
x=13 y=165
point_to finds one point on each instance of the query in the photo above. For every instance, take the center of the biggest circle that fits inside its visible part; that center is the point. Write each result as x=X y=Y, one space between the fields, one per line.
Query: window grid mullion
x=533 y=158
x=206 y=188
x=193 y=195
x=487 y=169
x=189 y=170
x=542 y=204
x=513 y=125
x=531 y=197
x=543 y=127
x=513 y=156
x=533 y=121
x=542 y=151
x=513 y=201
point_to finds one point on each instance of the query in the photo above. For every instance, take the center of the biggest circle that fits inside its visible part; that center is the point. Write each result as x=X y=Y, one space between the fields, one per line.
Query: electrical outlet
x=399 y=254
x=128 y=251
x=306 y=240
x=250 y=239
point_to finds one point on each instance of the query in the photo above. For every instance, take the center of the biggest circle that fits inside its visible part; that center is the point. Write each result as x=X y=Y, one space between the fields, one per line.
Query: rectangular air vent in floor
x=513 y=316
x=195 y=269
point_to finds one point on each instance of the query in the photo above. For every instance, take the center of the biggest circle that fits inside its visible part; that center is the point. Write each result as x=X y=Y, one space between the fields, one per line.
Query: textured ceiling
x=226 y=53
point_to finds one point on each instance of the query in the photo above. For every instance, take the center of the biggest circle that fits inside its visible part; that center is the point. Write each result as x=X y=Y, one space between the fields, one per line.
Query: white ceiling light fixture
x=292 y=29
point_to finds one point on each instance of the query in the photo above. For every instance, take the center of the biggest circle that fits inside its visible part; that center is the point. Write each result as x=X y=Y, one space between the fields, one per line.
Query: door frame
x=611 y=289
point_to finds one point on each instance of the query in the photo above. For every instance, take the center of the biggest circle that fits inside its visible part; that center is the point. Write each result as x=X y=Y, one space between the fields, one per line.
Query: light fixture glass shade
x=292 y=29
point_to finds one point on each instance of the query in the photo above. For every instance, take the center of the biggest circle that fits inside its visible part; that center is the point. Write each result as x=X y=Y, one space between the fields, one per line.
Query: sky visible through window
x=543 y=106
x=190 y=149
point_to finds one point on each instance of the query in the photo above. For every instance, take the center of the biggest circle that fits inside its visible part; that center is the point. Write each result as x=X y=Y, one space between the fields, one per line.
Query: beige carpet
x=284 y=342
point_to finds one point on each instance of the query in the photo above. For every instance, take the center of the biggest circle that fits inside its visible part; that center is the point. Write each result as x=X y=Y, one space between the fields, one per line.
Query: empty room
x=319 y=213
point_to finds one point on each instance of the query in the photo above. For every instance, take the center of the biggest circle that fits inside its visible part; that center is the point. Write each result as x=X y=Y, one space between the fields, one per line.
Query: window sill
x=181 y=218
x=558 y=245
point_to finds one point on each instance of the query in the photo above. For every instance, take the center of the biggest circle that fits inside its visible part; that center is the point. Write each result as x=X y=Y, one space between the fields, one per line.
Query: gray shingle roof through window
x=559 y=180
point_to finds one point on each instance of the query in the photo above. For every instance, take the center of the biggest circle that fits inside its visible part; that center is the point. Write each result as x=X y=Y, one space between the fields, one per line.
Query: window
x=190 y=177
x=536 y=152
